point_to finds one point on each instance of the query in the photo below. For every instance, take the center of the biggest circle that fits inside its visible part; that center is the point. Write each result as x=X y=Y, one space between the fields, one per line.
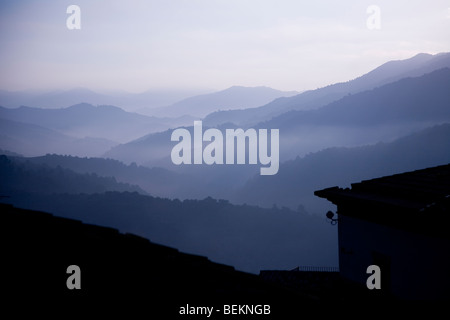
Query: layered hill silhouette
x=236 y=97
x=381 y=114
x=155 y=181
x=85 y=120
x=22 y=176
x=159 y=103
x=297 y=180
x=419 y=99
x=32 y=140
x=96 y=129
x=294 y=184
x=313 y=99
x=65 y=98
x=346 y=120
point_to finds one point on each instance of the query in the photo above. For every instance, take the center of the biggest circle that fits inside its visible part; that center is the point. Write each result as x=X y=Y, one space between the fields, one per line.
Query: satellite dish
x=330 y=215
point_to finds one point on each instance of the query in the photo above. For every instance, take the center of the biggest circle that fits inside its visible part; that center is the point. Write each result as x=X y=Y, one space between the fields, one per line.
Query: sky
x=138 y=45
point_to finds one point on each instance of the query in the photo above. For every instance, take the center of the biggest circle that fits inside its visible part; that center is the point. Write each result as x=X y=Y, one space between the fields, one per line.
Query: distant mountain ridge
x=85 y=120
x=389 y=72
x=22 y=176
x=155 y=181
x=236 y=97
x=380 y=114
x=32 y=140
x=159 y=103
x=64 y=98
x=424 y=98
x=298 y=179
x=406 y=105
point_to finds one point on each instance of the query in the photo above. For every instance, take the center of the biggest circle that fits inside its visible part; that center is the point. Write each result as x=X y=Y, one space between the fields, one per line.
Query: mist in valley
x=112 y=166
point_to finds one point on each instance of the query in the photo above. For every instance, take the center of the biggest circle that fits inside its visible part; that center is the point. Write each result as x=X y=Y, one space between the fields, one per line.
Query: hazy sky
x=137 y=45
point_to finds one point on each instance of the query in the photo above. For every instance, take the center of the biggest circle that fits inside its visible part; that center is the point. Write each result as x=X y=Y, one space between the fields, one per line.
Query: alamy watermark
x=374 y=280
x=235 y=142
x=74 y=280
x=373 y=22
x=73 y=21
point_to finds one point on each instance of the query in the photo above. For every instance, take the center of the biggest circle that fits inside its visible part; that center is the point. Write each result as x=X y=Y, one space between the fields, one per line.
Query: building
x=400 y=223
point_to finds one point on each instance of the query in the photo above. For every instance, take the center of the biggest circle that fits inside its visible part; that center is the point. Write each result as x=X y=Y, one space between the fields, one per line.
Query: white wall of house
x=419 y=264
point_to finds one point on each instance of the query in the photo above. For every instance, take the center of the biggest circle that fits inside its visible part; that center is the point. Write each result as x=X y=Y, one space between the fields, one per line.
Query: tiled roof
x=421 y=194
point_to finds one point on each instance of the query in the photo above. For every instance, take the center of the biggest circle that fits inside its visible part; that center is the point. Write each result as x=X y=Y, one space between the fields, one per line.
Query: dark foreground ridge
x=119 y=268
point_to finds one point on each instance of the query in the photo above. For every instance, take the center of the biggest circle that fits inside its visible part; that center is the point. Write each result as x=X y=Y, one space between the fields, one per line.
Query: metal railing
x=316 y=269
